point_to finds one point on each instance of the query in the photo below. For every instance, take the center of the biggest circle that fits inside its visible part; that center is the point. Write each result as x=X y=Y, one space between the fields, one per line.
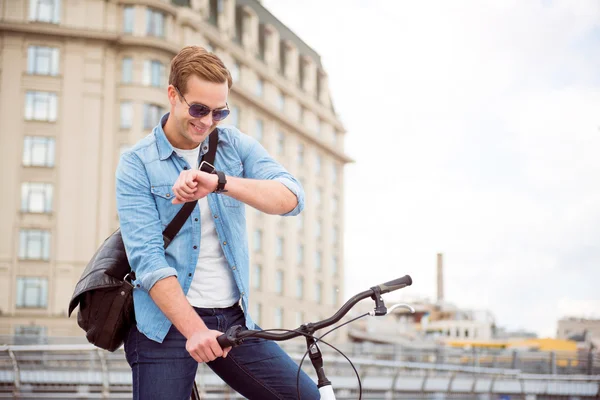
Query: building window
x=34 y=244
x=318 y=163
x=259 y=87
x=318 y=260
x=279 y=282
x=127 y=70
x=126 y=114
x=257 y=313
x=155 y=23
x=30 y=334
x=278 y=317
x=300 y=154
x=38 y=151
x=334 y=295
x=128 y=19
x=44 y=11
x=42 y=60
x=282 y=57
x=257 y=240
x=258 y=130
x=257 y=277
x=334 y=173
x=334 y=204
x=334 y=235
x=154 y=72
x=300 y=255
x=280 y=100
x=280 y=143
x=152 y=114
x=40 y=106
x=318 y=229
x=215 y=7
x=279 y=247
x=235 y=72
x=234 y=116
x=36 y=197
x=334 y=265
x=318 y=292
x=318 y=127
x=300 y=221
x=300 y=287
x=32 y=292
x=318 y=196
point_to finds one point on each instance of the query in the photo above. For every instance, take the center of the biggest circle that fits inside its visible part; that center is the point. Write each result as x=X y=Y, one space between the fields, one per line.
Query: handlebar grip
x=396 y=284
x=229 y=338
x=224 y=342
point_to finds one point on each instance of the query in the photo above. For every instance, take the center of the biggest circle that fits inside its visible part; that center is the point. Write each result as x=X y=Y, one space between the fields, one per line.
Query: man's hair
x=195 y=60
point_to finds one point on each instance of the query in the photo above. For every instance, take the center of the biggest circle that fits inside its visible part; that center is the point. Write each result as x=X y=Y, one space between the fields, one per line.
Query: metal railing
x=83 y=371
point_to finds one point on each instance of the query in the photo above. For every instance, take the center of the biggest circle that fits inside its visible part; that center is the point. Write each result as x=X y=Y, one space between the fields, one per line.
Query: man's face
x=190 y=131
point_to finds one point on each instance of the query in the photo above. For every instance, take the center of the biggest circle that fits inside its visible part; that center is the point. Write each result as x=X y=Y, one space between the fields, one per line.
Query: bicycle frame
x=235 y=335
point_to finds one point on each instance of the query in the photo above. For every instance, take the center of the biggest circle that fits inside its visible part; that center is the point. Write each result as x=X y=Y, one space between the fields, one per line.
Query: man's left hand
x=193 y=185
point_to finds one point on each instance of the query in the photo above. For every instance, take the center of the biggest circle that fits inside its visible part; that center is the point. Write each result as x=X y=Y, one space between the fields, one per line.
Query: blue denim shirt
x=144 y=180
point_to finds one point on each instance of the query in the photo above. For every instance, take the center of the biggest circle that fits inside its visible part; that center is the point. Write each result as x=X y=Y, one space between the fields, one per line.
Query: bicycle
x=236 y=334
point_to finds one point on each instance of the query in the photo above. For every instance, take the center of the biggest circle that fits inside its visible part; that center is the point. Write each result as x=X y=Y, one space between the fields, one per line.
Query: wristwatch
x=222 y=182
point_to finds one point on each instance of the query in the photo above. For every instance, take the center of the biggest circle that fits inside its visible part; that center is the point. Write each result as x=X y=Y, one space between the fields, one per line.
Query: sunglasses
x=198 y=110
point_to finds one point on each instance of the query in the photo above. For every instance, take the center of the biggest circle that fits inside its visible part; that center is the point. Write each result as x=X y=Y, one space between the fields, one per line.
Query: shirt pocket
x=235 y=169
x=163 y=195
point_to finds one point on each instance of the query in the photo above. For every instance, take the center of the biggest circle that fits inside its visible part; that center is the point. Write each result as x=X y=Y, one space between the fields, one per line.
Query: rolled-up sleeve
x=258 y=164
x=140 y=224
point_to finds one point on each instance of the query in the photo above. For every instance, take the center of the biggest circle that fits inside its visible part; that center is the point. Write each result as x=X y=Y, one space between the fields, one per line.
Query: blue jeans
x=257 y=369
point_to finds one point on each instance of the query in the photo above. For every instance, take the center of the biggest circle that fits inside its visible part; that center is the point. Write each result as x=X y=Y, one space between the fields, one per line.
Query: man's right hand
x=203 y=346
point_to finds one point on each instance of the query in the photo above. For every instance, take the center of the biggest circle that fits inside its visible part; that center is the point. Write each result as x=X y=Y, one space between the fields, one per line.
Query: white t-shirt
x=213 y=285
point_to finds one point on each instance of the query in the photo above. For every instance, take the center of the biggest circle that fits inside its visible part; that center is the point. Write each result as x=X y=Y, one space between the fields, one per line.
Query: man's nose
x=207 y=120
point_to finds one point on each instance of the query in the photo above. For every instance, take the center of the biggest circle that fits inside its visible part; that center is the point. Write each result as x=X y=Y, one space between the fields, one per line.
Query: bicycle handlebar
x=234 y=335
x=395 y=284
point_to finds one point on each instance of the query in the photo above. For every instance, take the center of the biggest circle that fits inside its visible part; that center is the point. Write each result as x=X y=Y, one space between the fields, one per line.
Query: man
x=187 y=295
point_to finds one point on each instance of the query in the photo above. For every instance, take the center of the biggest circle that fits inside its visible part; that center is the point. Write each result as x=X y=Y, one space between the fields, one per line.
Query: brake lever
x=392 y=308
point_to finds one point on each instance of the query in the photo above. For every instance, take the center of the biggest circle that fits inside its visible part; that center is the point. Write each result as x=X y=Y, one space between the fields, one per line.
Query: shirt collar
x=165 y=148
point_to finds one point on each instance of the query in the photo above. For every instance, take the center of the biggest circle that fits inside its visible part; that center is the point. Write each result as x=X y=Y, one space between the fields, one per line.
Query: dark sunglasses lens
x=199 y=110
x=219 y=115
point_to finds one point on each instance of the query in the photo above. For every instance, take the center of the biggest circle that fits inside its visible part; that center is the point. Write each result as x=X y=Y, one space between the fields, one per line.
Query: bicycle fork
x=324 y=384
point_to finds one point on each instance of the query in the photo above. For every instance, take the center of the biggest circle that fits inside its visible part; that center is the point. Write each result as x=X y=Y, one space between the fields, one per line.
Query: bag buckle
x=126 y=279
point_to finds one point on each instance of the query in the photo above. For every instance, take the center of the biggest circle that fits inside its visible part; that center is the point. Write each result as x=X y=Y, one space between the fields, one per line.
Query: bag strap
x=175 y=225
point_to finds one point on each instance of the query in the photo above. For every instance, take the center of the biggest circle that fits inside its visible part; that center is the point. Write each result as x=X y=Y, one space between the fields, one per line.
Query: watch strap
x=222 y=182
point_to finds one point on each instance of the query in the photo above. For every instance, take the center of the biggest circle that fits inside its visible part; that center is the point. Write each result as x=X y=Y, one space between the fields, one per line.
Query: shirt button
x=195 y=247
x=233 y=268
x=190 y=274
x=205 y=148
x=185 y=167
x=216 y=216
x=168 y=194
x=196 y=219
x=243 y=294
x=224 y=243
x=138 y=285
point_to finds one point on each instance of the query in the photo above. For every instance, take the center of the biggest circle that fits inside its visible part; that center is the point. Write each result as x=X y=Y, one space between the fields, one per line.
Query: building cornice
x=40 y=28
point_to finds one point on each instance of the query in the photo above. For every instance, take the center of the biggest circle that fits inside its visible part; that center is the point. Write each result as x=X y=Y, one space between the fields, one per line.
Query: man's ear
x=172 y=95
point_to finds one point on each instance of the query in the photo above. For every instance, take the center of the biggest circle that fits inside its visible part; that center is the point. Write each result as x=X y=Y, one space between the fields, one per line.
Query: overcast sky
x=475 y=130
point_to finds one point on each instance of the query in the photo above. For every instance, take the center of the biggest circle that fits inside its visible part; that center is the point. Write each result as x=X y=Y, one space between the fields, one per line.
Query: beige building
x=82 y=80
x=580 y=329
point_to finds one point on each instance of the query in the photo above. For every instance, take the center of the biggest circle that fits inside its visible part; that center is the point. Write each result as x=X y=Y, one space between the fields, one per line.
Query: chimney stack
x=440 y=278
